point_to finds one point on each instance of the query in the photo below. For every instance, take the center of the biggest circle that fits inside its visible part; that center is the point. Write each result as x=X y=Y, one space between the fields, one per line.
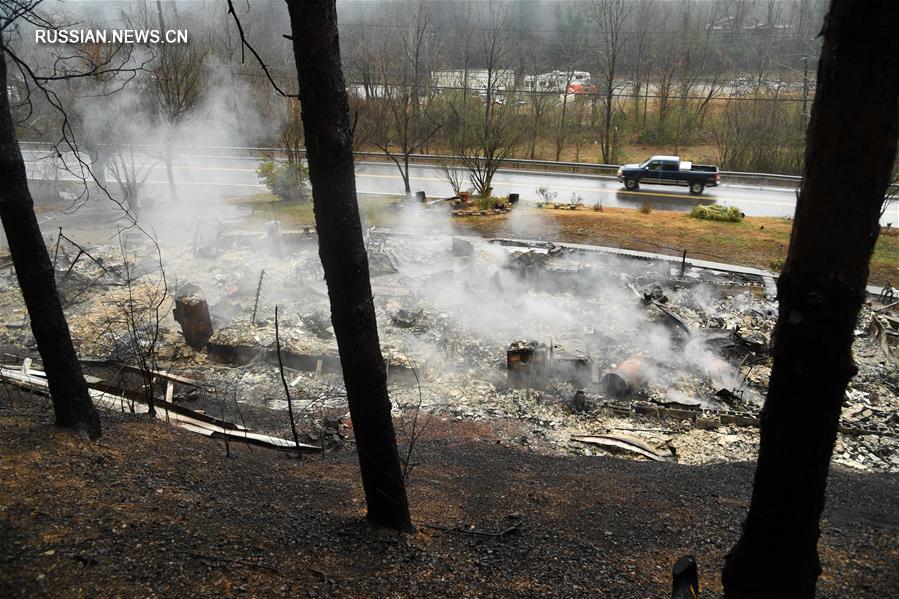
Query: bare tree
x=178 y=84
x=174 y=85
x=403 y=125
x=71 y=402
x=711 y=67
x=572 y=52
x=135 y=319
x=642 y=59
x=485 y=129
x=344 y=259
x=580 y=133
x=363 y=59
x=666 y=54
x=821 y=290
x=610 y=17
x=130 y=168
x=539 y=104
x=696 y=76
x=759 y=135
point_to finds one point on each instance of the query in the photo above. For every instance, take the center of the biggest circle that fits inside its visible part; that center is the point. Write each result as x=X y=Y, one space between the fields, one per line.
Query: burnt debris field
x=593 y=352
x=586 y=406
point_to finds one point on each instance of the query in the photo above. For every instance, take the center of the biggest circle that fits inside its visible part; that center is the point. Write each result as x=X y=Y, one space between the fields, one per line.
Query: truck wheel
x=696 y=188
x=631 y=184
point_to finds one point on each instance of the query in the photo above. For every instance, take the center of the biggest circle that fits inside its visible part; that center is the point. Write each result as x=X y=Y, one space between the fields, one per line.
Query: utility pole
x=804 y=90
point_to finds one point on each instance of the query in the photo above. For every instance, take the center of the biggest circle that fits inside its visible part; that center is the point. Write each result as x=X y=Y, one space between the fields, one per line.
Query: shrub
x=576 y=200
x=546 y=196
x=760 y=136
x=597 y=207
x=490 y=202
x=645 y=207
x=287 y=181
x=729 y=214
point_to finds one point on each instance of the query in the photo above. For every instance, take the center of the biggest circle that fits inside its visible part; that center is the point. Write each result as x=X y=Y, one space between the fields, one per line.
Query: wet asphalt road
x=224 y=175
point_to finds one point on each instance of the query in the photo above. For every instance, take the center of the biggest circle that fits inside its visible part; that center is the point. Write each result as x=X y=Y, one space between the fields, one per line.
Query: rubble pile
x=585 y=352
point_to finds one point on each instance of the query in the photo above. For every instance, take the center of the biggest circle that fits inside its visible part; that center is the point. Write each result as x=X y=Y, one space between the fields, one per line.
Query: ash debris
x=558 y=341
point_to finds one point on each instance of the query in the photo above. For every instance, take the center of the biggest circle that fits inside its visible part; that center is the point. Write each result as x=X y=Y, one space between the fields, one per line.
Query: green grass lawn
x=375 y=210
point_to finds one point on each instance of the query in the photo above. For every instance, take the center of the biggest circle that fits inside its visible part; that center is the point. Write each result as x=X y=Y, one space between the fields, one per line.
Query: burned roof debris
x=568 y=342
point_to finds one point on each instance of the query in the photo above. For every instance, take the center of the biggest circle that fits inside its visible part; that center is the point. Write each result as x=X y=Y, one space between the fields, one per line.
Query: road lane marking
x=603 y=190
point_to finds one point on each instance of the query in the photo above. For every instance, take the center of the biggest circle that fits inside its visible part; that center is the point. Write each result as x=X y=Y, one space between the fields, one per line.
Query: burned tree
x=822 y=287
x=329 y=145
x=68 y=389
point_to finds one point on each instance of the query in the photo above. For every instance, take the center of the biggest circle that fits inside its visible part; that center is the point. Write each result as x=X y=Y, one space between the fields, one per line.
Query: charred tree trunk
x=345 y=262
x=68 y=390
x=851 y=145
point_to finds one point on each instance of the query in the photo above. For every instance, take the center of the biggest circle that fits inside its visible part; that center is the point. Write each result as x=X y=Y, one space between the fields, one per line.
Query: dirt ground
x=153 y=510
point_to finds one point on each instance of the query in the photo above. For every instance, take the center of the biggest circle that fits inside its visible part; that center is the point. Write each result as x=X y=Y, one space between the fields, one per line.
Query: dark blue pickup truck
x=669 y=170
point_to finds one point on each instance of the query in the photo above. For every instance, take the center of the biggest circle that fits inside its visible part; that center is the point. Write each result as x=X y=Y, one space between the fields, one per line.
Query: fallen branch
x=231 y=560
x=472 y=531
x=293 y=424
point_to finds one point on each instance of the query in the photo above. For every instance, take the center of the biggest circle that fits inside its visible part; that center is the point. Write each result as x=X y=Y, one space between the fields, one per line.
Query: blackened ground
x=154 y=510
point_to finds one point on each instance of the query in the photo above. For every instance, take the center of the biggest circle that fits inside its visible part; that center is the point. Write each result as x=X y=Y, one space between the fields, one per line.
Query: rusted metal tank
x=628 y=377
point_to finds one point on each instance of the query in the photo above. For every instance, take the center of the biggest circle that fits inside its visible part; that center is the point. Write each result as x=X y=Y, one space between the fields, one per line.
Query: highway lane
x=226 y=175
x=384 y=178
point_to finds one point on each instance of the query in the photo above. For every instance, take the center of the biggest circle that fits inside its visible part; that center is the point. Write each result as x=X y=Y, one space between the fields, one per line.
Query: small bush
x=546 y=196
x=776 y=265
x=729 y=214
x=490 y=203
x=645 y=207
x=285 y=180
x=576 y=200
x=597 y=207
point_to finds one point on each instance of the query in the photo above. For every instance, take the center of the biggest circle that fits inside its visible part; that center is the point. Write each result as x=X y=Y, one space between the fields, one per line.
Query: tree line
x=726 y=81
x=734 y=77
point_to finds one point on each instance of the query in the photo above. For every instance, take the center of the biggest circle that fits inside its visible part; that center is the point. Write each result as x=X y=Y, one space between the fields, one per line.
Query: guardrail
x=588 y=168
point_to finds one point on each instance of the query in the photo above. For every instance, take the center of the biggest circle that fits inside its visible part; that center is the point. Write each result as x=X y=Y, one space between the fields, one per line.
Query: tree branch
x=246 y=44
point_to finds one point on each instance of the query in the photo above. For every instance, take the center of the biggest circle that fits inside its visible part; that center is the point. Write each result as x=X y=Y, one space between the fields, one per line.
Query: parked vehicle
x=669 y=170
x=580 y=88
